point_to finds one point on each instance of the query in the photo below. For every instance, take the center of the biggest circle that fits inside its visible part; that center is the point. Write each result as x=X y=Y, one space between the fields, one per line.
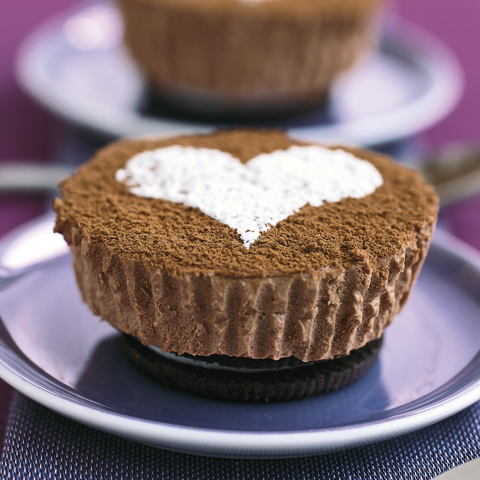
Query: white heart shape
x=252 y=197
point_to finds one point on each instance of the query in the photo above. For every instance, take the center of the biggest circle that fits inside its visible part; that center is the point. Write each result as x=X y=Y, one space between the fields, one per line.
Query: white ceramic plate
x=75 y=66
x=56 y=352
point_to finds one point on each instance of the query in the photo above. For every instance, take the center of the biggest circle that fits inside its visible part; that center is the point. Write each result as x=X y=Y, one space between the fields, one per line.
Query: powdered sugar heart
x=252 y=197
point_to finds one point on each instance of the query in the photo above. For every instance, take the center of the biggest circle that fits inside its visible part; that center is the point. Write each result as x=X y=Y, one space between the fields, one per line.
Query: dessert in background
x=247 y=56
x=240 y=264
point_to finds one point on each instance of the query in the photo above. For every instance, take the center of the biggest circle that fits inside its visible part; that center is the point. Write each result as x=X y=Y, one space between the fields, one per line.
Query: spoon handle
x=25 y=176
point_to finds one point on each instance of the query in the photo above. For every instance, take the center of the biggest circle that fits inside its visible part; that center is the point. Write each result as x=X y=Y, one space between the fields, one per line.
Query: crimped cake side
x=315 y=316
x=236 y=53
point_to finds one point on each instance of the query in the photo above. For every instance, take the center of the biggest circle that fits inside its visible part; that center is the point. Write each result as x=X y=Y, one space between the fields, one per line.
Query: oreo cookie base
x=246 y=380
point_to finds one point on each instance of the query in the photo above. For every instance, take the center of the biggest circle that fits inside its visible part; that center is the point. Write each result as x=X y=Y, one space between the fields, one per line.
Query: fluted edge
x=237 y=61
x=314 y=316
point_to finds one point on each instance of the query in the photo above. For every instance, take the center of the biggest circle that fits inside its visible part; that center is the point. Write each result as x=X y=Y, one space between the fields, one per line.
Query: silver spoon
x=24 y=176
x=454 y=172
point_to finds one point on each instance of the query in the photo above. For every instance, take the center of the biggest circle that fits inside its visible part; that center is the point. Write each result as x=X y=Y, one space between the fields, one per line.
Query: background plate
x=56 y=352
x=75 y=65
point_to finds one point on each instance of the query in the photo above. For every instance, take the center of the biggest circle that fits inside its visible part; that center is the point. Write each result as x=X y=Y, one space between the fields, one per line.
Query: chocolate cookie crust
x=180 y=239
x=319 y=284
x=271 y=385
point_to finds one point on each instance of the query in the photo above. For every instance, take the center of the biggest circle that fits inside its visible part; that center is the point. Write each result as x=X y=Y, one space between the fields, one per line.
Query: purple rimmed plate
x=56 y=352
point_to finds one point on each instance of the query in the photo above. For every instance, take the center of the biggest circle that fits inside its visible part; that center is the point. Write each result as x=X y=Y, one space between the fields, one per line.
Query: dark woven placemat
x=41 y=444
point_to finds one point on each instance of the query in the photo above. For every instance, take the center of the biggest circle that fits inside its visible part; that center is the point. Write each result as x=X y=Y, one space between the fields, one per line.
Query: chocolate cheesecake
x=251 y=56
x=314 y=284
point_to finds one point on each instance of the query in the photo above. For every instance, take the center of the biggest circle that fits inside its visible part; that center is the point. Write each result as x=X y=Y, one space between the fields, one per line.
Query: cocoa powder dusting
x=178 y=239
